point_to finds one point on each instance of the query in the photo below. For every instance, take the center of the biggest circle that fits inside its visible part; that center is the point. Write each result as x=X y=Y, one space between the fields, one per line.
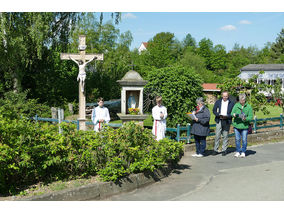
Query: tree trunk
x=16 y=83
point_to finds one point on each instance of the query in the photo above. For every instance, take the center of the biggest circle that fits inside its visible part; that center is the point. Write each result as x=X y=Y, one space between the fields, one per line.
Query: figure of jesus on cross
x=81 y=60
x=82 y=74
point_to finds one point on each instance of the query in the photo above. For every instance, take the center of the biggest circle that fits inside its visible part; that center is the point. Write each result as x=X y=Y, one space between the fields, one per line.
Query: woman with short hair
x=242 y=116
x=200 y=127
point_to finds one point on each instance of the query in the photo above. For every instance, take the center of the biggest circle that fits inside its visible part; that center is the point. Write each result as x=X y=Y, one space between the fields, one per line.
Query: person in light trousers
x=222 y=110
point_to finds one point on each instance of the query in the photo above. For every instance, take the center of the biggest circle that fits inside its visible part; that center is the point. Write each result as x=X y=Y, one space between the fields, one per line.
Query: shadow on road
x=230 y=150
x=179 y=168
x=250 y=152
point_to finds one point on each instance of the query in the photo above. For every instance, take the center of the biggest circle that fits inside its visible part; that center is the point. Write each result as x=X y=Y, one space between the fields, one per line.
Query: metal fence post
x=78 y=125
x=254 y=124
x=36 y=117
x=188 y=133
x=281 y=121
x=60 y=118
x=178 y=132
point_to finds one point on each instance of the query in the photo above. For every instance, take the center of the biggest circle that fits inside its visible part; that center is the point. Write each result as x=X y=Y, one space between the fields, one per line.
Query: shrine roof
x=132 y=78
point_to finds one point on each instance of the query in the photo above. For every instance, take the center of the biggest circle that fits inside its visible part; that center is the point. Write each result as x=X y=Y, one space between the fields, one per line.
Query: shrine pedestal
x=136 y=118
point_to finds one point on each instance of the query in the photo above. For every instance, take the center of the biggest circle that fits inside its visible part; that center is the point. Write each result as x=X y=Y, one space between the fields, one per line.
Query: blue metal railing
x=180 y=129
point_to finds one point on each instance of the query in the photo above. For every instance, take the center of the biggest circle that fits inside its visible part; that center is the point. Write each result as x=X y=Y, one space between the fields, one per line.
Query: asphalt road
x=259 y=176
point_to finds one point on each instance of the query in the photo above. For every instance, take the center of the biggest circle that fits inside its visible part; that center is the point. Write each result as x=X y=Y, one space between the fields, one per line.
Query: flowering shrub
x=133 y=111
x=33 y=152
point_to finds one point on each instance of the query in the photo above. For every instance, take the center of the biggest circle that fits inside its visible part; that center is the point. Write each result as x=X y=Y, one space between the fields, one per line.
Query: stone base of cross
x=81 y=59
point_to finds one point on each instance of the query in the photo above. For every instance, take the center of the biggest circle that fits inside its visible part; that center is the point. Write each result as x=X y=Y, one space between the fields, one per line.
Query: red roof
x=210 y=87
x=145 y=44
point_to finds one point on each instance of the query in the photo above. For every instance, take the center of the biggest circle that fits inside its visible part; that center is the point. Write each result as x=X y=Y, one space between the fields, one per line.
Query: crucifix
x=82 y=59
x=132 y=65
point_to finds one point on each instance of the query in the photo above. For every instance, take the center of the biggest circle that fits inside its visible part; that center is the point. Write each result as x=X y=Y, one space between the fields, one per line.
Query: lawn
x=275 y=111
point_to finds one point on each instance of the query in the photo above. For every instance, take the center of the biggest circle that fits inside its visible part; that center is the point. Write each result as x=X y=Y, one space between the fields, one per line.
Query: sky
x=226 y=28
x=226 y=22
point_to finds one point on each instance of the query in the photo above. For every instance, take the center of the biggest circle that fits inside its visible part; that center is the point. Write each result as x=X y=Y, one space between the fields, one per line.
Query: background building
x=271 y=73
x=211 y=91
x=143 y=47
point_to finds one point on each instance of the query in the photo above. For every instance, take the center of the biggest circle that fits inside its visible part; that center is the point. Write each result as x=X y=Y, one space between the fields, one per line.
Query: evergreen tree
x=278 y=46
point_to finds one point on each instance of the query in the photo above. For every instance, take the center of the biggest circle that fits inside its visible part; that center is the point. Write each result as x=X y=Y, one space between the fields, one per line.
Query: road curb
x=102 y=190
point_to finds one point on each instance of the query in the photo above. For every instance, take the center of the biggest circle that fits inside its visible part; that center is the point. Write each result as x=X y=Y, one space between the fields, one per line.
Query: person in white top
x=159 y=114
x=100 y=115
x=222 y=110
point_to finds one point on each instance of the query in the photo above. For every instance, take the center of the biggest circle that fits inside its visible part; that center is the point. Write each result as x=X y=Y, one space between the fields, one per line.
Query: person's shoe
x=199 y=155
x=237 y=155
x=194 y=155
x=224 y=153
x=243 y=155
x=215 y=153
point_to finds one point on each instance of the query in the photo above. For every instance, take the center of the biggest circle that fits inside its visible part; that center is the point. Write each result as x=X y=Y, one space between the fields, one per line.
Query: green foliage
x=278 y=45
x=254 y=92
x=179 y=88
x=197 y=63
x=189 y=41
x=278 y=95
x=14 y=105
x=160 y=50
x=27 y=37
x=205 y=50
x=33 y=152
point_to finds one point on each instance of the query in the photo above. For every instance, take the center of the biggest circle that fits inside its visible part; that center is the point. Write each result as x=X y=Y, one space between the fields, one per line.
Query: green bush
x=14 y=105
x=179 y=88
x=33 y=152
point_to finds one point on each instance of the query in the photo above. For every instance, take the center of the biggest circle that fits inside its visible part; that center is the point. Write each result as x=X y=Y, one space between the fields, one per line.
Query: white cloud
x=228 y=28
x=128 y=16
x=245 y=22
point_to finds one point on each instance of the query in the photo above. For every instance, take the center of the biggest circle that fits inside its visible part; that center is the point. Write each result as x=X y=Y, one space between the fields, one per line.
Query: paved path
x=259 y=176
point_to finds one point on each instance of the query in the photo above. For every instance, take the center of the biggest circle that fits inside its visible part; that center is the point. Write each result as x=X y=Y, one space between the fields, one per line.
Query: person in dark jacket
x=222 y=110
x=200 y=127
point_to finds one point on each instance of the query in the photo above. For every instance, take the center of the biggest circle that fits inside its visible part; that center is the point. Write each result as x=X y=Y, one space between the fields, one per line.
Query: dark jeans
x=200 y=143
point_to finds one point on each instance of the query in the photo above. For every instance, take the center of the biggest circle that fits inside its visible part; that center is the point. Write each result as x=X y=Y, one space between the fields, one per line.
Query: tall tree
x=205 y=49
x=160 y=50
x=189 y=41
x=278 y=46
x=218 y=61
x=26 y=37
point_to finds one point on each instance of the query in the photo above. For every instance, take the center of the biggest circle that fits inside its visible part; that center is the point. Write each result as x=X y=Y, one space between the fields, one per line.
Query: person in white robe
x=100 y=115
x=159 y=113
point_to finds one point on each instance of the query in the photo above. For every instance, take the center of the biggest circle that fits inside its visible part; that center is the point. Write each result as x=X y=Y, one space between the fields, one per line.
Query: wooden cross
x=132 y=65
x=81 y=59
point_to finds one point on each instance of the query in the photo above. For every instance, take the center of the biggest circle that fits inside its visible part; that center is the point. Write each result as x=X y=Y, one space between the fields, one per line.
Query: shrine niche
x=132 y=97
